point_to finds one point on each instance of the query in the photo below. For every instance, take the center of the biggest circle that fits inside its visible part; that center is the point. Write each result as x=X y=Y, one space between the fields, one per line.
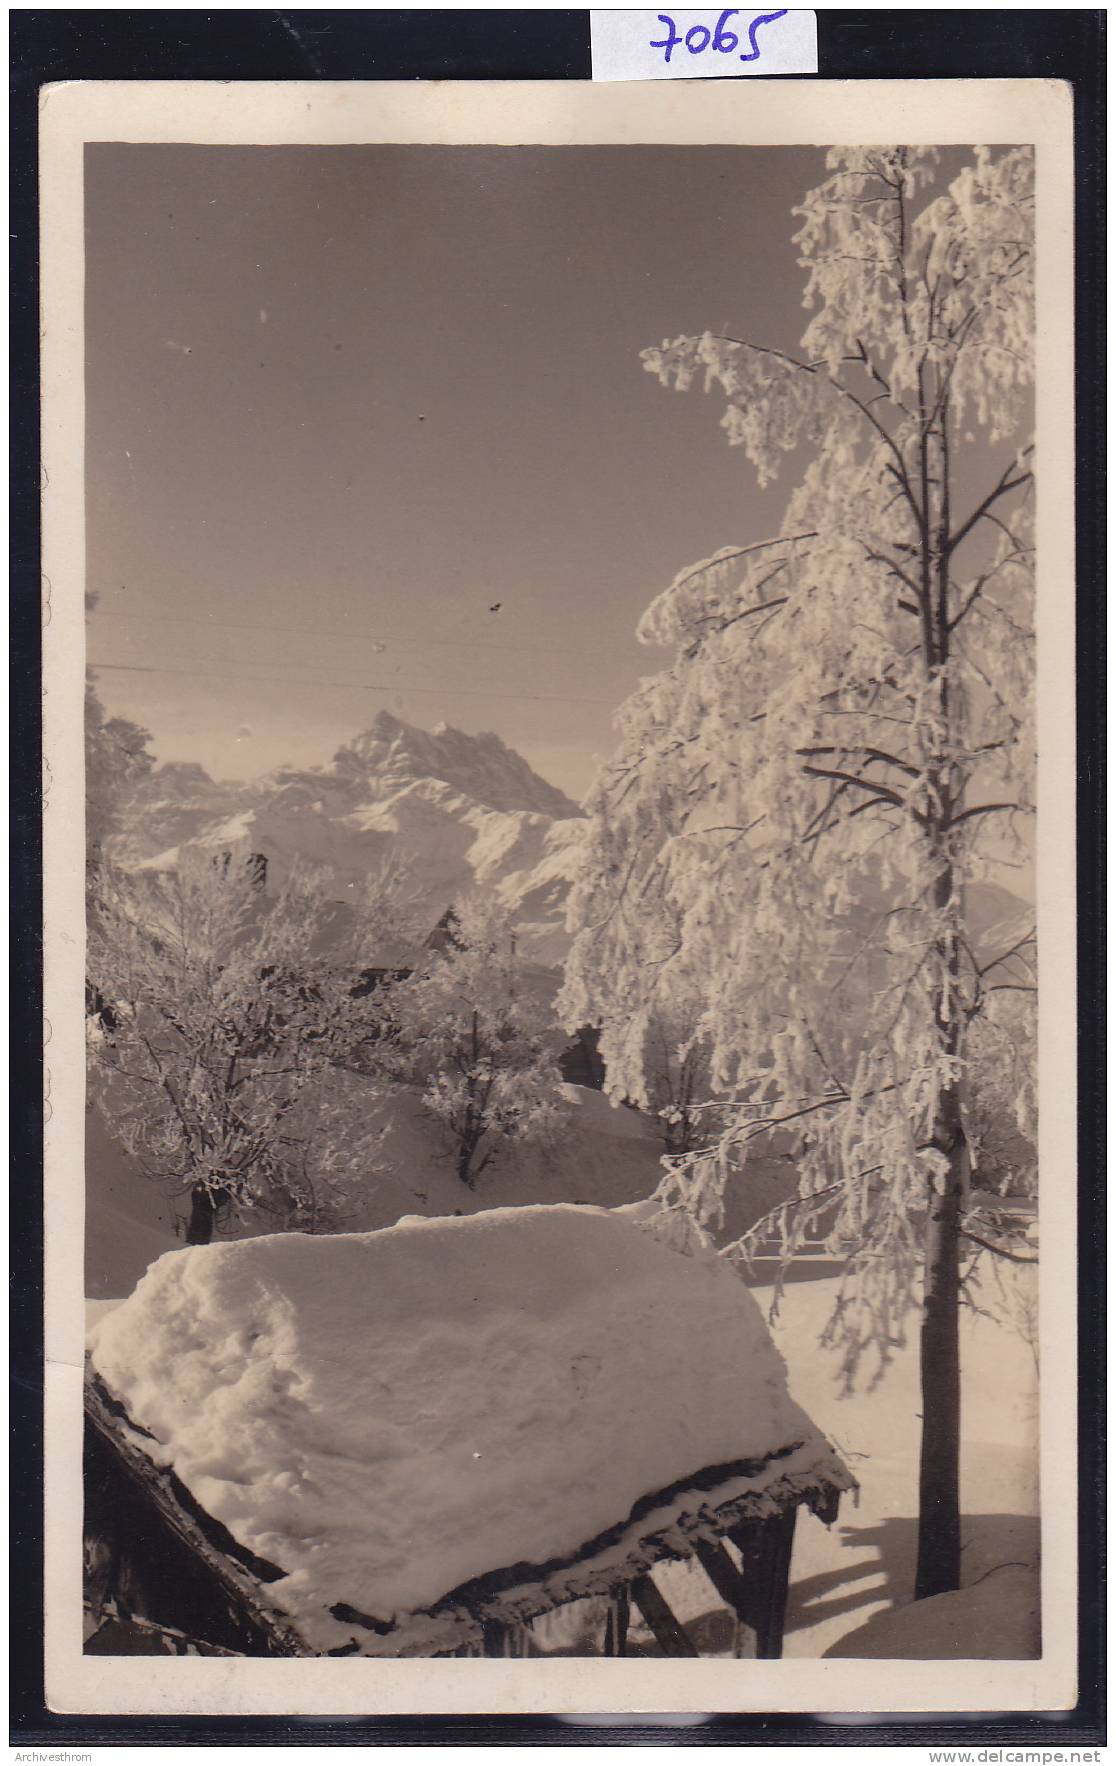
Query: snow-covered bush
x=228 y=1057
x=469 y=1028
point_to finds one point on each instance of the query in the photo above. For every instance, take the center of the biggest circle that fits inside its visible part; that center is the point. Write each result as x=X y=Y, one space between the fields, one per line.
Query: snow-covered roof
x=389 y=1416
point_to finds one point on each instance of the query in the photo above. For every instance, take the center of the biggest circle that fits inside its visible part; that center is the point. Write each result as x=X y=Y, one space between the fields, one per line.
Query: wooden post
x=623 y=1611
x=616 y=1624
x=765 y=1551
x=733 y=1588
x=669 y=1635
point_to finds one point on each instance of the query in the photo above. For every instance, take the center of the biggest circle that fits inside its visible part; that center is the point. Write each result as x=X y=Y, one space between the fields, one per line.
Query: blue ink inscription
x=763 y=18
x=724 y=42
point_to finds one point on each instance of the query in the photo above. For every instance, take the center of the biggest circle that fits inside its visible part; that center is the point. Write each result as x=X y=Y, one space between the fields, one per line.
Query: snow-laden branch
x=882 y=792
x=1004 y=486
x=997 y=1250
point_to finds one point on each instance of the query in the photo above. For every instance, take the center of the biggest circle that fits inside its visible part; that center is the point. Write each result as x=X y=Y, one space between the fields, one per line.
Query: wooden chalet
x=163 y=1576
x=581 y=1431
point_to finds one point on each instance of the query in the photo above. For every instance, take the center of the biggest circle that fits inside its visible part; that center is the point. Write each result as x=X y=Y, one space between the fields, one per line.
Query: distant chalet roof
x=391 y=1441
x=444 y=935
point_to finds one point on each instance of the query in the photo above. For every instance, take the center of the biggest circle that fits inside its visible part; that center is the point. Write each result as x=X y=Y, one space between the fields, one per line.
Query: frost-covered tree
x=471 y=1030
x=803 y=803
x=1001 y=1115
x=117 y=760
x=228 y=1058
x=676 y=1079
x=661 y=1061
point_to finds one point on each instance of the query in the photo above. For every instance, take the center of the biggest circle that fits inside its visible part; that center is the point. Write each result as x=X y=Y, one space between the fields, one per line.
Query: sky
x=367 y=429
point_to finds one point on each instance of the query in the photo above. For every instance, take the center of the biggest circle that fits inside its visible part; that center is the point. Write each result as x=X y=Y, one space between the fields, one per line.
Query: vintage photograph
x=561 y=1166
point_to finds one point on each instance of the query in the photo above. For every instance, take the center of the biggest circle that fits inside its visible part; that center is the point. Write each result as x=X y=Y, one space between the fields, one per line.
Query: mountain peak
x=183 y=775
x=384 y=723
x=392 y=753
x=453 y=812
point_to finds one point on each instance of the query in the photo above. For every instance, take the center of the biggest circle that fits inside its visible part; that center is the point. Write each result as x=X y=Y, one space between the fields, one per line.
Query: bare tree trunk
x=465 y=1153
x=204 y=1205
x=469 y=1138
x=939 y=1482
x=938 y=1569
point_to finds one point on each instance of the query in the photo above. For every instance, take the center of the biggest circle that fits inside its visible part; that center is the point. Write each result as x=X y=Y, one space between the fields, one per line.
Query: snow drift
x=997 y=1620
x=388 y=1415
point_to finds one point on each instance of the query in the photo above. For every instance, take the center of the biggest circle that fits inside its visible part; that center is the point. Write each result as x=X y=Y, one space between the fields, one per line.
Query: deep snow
x=844 y=1576
x=860 y=1572
x=851 y=1584
x=998 y=1617
x=387 y=1415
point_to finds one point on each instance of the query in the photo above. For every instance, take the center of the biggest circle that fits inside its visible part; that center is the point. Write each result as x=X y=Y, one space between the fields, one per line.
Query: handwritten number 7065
x=725 y=42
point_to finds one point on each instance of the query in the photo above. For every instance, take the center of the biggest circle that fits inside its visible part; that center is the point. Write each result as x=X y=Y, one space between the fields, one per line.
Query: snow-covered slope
x=450 y=812
x=998 y=1620
x=171 y=806
x=388 y=1415
x=851 y=1584
x=602 y=1155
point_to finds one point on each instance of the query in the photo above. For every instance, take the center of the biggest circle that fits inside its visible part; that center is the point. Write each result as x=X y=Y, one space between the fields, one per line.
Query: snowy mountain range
x=451 y=812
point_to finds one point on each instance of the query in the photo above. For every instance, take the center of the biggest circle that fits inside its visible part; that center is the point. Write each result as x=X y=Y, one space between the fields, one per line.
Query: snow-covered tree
x=228 y=1058
x=471 y=1030
x=1001 y=1115
x=660 y=1062
x=803 y=803
x=676 y=1079
x=117 y=760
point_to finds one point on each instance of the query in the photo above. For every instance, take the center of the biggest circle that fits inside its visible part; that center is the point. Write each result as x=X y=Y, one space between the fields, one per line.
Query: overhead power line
x=348 y=637
x=453 y=692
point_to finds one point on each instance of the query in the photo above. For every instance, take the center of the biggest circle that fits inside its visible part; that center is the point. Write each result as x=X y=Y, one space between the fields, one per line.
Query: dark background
x=362 y=45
